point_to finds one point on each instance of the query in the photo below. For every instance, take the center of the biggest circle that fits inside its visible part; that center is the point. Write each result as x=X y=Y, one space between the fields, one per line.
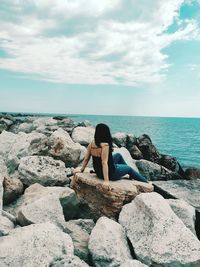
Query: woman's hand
x=106 y=185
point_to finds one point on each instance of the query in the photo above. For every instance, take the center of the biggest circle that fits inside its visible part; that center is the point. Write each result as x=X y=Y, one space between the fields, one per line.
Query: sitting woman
x=107 y=165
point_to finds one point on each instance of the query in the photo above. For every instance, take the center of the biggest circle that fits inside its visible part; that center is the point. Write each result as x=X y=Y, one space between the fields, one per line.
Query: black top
x=97 y=164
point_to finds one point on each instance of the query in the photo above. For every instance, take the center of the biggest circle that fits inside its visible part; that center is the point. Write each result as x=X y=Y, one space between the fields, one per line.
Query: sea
x=178 y=137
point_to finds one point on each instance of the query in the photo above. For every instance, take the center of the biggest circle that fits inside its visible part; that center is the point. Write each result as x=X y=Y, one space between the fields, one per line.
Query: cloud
x=91 y=42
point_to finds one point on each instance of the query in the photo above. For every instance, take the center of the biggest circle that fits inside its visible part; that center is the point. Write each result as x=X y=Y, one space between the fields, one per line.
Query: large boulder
x=158 y=236
x=80 y=230
x=13 y=188
x=133 y=263
x=83 y=135
x=88 y=187
x=63 y=147
x=5 y=225
x=68 y=261
x=153 y=171
x=43 y=170
x=108 y=244
x=34 y=245
x=185 y=212
x=149 y=151
x=120 y=139
x=15 y=146
x=45 y=209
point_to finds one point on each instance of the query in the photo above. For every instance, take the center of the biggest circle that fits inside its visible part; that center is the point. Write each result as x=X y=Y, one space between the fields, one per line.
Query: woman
x=107 y=166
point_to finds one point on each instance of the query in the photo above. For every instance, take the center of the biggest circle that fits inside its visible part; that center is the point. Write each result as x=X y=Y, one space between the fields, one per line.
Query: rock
x=83 y=135
x=5 y=225
x=183 y=189
x=79 y=230
x=185 y=212
x=158 y=236
x=67 y=124
x=148 y=150
x=68 y=261
x=3 y=173
x=120 y=139
x=34 y=245
x=63 y=148
x=43 y=170
x=13 y=188
x=192 y=173
x=135 y=152
x=153 y=171
x=85 y=123
x=169 y=162
x=108 y=244
x=26 y=127
x=103 y=202
x=15 y=146
x=133 y=263
x=127 y=157
x=44 y=121
x=45 y=209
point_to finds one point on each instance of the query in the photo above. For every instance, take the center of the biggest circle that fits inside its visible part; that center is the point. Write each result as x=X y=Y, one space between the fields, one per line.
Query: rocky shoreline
x=72 y=221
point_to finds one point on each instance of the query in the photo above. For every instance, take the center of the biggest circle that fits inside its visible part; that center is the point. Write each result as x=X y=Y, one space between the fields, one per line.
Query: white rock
x=68 y=261
x=26 y=127
x=64 y=148
x=45 y=209
x=43 y=170
x=185 y=212
x=5 y=225
x=133 y=263
x=34 y=245
x=83 y=135
x=158 y=236
x=107 y=244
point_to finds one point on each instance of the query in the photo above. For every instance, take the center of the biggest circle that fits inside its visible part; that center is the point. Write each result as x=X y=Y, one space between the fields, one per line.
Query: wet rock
x=108 y=244
x=43 y=170
x=34 y=245
x=158 y=236
x=13 y=188
x=83 y=135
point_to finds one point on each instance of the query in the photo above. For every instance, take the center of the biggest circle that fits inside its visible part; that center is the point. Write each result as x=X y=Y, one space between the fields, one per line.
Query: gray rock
x=26 y=127
x=5 y=225
x=62 y=147
x=68 y=261
x=107 y=244
x=85 y=123
x=119 y=139
x=45 y=209
x=13 y=188
x=3 y=173
x=133 y=263
x=83 y=135
x=79 y=230
x=158 y=236
x=43 y=170
x=15 y=146
x=192 y=173
x=34 y=245
x=185 y=212
x=153 y=171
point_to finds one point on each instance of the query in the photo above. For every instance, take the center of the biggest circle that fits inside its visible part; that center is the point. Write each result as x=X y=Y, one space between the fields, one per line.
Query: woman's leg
x=123 y=169
x=118 y=159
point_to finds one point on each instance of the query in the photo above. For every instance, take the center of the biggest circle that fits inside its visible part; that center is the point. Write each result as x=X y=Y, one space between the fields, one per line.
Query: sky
x=108 y=57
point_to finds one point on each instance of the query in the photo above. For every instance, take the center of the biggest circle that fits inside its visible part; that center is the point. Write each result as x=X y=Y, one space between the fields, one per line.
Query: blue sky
x=111 y=57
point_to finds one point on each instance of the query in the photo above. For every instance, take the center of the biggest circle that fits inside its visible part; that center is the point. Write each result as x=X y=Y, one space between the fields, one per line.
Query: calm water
x=179 y=137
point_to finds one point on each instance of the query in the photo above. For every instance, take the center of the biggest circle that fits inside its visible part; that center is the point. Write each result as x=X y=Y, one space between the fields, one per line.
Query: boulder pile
x=49 y=218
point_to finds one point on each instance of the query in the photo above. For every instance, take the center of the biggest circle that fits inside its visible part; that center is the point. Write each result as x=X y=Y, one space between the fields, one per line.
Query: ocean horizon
x=175 y=136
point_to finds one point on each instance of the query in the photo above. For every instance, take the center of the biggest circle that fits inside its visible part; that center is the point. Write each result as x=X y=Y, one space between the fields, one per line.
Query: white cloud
x=91 y=42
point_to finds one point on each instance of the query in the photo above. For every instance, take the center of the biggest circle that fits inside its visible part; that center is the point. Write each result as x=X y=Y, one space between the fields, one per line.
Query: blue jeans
x=121 y=169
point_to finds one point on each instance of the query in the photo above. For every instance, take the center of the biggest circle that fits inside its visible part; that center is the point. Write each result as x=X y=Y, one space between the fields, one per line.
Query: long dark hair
x=103 y=135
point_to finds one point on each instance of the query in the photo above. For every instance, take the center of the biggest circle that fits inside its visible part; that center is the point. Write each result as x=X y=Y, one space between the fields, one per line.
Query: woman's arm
x=86 y=158
x=104 y=159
